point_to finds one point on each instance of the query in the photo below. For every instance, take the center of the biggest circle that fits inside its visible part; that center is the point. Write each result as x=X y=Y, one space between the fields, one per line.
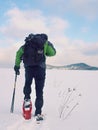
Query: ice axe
x=13 y=96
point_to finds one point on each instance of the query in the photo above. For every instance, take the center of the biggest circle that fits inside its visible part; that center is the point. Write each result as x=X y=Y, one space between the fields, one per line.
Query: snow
x=70 y=101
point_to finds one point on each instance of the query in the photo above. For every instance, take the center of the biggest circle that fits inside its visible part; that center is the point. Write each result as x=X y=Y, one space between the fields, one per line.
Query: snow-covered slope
x=70 y=101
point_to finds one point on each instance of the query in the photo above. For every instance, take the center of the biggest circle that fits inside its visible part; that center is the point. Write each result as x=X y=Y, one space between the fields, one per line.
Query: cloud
x=75 y=51
x=90 y=50
x=20 y=23
x=85 y=8
x=7 y=56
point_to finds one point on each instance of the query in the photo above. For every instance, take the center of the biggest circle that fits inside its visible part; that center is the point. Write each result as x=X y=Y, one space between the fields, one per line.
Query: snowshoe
x=27 y=109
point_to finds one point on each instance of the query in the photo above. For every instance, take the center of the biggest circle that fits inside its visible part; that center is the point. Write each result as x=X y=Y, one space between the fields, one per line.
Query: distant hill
x=77 y=66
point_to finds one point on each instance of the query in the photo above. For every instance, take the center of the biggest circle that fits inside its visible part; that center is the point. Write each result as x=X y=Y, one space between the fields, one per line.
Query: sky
x=70 y=25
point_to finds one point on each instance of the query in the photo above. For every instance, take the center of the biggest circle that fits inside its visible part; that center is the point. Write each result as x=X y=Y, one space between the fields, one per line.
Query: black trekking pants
x=38 y=74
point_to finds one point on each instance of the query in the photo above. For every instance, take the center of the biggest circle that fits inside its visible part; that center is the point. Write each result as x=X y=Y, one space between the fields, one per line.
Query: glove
x=16 y=69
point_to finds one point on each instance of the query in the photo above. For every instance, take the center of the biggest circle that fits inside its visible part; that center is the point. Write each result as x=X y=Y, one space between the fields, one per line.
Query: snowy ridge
x=77 y=66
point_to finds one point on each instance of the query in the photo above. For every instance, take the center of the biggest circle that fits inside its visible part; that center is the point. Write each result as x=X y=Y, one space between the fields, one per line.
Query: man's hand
x=16 y=69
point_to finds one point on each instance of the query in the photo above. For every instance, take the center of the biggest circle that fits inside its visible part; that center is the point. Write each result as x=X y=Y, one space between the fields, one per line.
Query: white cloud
x=85 y=8
x=7 y=57
x=20 y=23
x=75 y=51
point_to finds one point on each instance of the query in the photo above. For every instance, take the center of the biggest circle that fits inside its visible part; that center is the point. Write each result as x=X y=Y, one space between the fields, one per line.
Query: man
x=33 y=54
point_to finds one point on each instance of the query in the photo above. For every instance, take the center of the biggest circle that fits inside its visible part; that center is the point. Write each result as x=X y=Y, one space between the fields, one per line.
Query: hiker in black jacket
x=33 y=54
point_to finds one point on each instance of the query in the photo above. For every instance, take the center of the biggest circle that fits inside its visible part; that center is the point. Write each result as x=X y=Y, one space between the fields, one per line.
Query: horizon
x=9 y=67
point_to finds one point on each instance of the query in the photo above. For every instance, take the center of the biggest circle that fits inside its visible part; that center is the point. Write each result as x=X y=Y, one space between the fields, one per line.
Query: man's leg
x=39 y=82
x=28 y=82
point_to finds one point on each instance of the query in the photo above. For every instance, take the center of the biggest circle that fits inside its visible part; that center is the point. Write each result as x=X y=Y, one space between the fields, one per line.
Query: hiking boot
x=39 y=117
x=27 y=103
